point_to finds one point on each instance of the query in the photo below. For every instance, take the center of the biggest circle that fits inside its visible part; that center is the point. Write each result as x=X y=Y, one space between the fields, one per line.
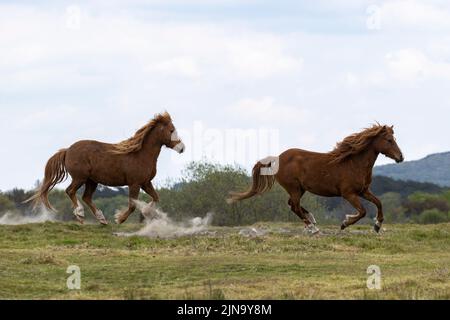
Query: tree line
x=204 y=187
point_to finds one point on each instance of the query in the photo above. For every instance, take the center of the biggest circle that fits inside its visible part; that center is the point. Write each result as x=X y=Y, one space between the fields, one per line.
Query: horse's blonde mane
x=134 y=144
x=356 y=143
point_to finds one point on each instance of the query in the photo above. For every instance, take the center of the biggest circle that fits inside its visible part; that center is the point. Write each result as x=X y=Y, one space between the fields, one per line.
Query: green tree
x=6 y=204
x=393 y=207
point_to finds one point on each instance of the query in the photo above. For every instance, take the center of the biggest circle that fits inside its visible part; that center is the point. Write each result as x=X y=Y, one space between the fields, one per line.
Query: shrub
x=433 y=216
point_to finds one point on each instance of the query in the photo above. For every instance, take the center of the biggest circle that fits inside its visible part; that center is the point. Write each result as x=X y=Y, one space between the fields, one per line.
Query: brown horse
x=130 y=163
x=346 y=171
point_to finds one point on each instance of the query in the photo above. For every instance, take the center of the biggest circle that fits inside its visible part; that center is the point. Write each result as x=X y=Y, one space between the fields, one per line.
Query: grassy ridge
x=283 y=264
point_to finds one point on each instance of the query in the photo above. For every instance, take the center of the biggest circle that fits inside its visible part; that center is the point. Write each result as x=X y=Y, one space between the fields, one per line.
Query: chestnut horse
x=346 y=172
x=130 y=163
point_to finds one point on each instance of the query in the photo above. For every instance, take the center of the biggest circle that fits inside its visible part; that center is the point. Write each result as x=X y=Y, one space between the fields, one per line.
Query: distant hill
x=434 y=168
x=381 y=185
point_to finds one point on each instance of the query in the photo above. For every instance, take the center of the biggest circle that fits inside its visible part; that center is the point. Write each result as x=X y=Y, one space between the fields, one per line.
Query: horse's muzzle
x=400 y=159
x=180 y=147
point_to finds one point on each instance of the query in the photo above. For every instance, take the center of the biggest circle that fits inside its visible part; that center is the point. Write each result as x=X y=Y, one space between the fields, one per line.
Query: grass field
x=285 y=263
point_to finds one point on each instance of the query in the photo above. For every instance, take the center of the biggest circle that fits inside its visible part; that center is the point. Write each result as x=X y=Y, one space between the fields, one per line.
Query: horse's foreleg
x=294 y=203
x=89 y=191
x=71 y=191
x=353 y=199
x=150 y=190
x=310 y=216
x=369 y=196
x=133 y=196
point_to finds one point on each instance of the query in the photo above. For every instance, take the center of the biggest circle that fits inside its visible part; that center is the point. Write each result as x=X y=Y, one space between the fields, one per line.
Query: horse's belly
x=109 y=182
x=108 y=177
x=324 y=192
x=321 y=184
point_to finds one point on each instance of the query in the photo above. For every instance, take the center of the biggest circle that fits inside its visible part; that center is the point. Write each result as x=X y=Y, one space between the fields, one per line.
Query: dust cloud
x=159 y=225
x=41 y=215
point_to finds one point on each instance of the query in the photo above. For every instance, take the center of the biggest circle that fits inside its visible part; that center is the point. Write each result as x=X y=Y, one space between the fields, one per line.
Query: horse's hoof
x=118 y=218
x=343 y=226
x=313 y=230
x=79 y=219
x=79 y=214
x=377 y=228
x=101 y=218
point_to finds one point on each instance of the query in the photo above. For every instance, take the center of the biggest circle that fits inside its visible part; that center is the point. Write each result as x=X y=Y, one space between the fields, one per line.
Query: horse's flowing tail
x=261 y=184
x=55 y=173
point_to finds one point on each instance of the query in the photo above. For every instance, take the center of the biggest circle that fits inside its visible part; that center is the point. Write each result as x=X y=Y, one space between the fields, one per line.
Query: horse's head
x=169 y=136
x=386 y=144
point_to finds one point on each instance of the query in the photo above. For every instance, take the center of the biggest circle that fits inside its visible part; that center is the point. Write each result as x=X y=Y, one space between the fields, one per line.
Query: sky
x=242 y=79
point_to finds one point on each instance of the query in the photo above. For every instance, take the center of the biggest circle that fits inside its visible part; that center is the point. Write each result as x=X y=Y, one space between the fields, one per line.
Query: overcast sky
x=291 y=73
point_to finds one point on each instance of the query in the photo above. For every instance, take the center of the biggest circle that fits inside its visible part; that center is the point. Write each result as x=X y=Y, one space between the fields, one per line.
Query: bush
x=420 y=202
x=433 y=216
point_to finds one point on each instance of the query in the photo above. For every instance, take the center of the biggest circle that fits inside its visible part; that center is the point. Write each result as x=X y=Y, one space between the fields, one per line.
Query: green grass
x=284 y=264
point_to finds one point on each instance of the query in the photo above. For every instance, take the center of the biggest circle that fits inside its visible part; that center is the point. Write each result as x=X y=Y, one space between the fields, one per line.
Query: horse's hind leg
x=134 y=194
x=71 y=191
x=353 y=199
x=302 y=213
x=89 y=191
x=310 y=216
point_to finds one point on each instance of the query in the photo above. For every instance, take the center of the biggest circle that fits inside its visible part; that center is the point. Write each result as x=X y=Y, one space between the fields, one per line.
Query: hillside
x=434 y=168
x=381 y=185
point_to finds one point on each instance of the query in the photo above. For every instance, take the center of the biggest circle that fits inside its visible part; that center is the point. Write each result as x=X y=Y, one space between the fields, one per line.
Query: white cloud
x=44 y=51
x=413 y=65
x=309 y=79
x=351 y=79
x=266 y=110
x=415 y=15
x=261 y=57
x=181 y=66
x=404 y=67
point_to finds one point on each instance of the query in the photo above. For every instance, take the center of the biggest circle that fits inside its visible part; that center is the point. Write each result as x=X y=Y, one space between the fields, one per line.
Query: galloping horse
x=129 y=163
x=346 y=171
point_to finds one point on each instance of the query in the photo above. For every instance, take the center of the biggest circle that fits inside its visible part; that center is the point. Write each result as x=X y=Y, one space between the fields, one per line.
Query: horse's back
x=295 y=162
x=89 y=145
x=301 y=155
x=307 y=170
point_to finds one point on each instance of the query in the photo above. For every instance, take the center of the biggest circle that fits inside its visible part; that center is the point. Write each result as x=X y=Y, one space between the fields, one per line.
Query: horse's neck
x=151 y=148
x=366 y=159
